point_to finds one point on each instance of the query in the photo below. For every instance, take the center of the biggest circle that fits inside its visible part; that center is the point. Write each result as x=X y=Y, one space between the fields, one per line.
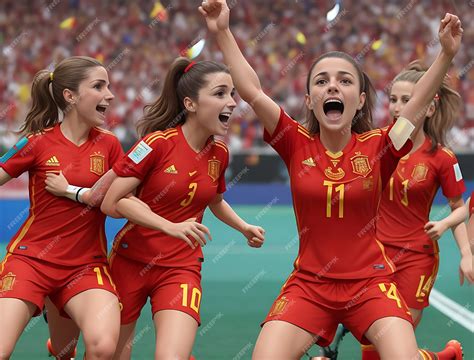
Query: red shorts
x=32 y=280
x=319 y=307
x=415 y=274
x=169 y=288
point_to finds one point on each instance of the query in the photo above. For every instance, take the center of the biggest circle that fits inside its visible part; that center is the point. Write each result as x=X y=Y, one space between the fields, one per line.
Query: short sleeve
x=139 y=160
x=283 y=139
x=221 y=187
x=21 y=157
x=450 y=176
x=116 y=152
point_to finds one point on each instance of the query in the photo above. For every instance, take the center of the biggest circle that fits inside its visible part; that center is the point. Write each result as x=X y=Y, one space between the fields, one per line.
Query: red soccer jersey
x=335 y=199
x=406 y=202
x=177 y=184
x=59 y=230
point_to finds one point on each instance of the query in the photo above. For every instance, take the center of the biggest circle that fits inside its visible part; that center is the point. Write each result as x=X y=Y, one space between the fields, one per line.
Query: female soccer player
x=178 y=170
x=341 y=272
x=60 y=251
x=403 y=226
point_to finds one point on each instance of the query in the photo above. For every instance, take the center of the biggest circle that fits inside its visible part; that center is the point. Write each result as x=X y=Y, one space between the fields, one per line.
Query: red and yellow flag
x=69 y=23
x=159 y=12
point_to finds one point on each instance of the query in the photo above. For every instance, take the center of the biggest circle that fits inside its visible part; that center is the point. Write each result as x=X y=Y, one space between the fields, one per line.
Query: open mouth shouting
x=101 y=109
x=224 y=117
x=333 y=108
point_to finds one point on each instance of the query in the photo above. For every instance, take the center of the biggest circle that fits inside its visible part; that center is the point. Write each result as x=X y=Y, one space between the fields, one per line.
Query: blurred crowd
x=279 y=37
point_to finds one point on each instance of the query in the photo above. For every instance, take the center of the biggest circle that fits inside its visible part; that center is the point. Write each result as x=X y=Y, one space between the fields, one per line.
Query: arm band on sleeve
x=400 y=132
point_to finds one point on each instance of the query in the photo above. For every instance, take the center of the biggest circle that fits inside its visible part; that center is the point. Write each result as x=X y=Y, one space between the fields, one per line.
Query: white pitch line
x=453 y=310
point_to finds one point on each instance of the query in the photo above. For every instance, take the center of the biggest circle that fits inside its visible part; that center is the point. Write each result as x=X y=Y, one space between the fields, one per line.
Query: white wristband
x=75 y=193
x=400 y=132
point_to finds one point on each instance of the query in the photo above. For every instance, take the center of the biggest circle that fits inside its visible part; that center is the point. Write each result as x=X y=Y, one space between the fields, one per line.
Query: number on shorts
x=100 y=280
x=195 y=297
x=391 y=293
x=99 y=276
x=423 y=287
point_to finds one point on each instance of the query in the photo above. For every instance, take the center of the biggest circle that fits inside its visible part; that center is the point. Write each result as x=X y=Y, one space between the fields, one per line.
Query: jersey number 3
x=193 y=186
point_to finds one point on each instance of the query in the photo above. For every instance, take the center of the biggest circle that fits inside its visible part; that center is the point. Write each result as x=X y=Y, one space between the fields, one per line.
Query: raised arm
x=450 y=34
x=247 y=84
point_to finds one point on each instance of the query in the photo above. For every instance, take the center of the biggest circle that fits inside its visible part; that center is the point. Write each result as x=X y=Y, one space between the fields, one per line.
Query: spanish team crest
x=279 y=306
x=360 y=164
x=7 y=282
x=419 y=172
x=213 y=169
x=97 y=162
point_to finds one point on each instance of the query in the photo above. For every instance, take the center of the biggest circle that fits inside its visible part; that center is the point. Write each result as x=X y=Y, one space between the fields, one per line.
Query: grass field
x=240 y=284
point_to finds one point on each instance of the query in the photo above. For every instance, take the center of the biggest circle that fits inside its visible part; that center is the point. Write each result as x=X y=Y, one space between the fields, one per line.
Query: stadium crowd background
x=279 y=37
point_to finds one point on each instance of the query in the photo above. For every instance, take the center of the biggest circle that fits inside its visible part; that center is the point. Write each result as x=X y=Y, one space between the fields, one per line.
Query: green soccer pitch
x=240 y=284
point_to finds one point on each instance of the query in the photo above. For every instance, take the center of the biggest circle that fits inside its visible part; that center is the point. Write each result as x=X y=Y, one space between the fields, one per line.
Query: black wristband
x=77 y=195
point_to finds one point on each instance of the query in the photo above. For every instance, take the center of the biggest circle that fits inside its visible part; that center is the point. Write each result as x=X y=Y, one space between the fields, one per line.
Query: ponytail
x=167 y=111
x=184 y=79
x=44 y=111
x=47 y=92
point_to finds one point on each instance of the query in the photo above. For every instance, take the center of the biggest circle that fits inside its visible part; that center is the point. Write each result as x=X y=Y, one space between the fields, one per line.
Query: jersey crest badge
x=213 y=169
x=419 y=172
x=360 y=164
x=7 y=282
x=97 y=163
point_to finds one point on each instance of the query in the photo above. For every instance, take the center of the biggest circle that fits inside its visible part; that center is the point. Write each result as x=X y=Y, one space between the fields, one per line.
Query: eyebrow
x=99 y=80
x=325 y=73
x=222 y=86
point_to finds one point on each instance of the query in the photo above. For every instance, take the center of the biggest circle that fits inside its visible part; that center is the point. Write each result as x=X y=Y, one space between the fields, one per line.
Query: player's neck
x=334 y=141
x=75 y=130
x=418 y=141
x=195 y=135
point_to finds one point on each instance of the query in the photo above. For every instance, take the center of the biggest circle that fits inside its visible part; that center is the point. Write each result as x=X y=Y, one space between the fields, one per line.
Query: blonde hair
x=447 y=105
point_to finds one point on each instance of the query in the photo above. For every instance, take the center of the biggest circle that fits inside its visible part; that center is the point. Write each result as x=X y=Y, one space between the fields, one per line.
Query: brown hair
x=168 y=110
x=362 y=120
x=447 y=105
x=45 y=103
